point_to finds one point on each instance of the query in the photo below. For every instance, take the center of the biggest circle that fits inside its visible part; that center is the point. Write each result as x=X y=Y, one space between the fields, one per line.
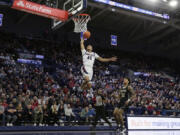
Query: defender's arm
x=133 y=94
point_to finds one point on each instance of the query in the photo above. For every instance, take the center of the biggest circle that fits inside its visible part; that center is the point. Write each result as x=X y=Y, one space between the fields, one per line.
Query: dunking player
x=125 y=95
x=88 y=62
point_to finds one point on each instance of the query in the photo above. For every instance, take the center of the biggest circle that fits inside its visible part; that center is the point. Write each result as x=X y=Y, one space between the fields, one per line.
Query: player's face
x=89 y=48
x=126 y=81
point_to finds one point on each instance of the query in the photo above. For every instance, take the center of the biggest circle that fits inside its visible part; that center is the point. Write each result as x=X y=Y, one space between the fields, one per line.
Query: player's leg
x=86 y=84
x=103 y=115
x=116 y=116
x=87 y=78
x=123 y=128
x=89 y=85
x=97 y=116
x=121 y=111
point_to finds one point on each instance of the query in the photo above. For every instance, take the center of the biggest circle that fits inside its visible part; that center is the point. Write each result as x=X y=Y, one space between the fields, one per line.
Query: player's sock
x=123 y=129
x=118 y=129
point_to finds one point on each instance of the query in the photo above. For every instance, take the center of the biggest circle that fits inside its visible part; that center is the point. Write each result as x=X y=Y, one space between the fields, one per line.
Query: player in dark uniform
x=125 y=95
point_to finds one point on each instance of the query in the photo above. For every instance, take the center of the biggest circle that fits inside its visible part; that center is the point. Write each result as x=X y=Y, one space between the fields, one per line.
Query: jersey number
x=123 y=95
x=89 y=57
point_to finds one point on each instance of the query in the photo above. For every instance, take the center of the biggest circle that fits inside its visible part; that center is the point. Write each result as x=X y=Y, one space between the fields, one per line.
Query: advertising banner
x=27 y=61
x=152 y=123
x=169 y=132
x=41 y=10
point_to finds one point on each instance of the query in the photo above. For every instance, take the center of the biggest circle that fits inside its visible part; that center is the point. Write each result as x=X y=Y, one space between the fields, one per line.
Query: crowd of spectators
x=51 y=94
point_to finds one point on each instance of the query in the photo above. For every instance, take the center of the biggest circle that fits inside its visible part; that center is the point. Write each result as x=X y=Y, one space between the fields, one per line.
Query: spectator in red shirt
x=65 y=90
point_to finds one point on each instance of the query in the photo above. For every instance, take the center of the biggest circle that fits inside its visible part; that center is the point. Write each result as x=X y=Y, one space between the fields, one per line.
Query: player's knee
x=115 y=111
x=86 y=78
x=121 y=111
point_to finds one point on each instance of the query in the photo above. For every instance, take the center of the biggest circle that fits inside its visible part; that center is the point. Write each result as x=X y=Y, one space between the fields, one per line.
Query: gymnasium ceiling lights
x=173 y=3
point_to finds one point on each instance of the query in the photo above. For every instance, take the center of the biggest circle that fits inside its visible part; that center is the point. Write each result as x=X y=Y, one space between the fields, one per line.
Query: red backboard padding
x=41 y=10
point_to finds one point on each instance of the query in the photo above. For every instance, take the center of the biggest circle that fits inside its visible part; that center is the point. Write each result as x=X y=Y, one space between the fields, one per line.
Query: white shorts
x=87 y=72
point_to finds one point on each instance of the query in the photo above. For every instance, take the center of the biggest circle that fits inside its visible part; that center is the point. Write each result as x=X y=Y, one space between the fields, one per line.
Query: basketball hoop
x=80 y=22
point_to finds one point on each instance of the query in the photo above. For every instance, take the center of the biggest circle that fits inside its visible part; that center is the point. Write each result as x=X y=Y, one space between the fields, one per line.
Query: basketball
x=86 y=35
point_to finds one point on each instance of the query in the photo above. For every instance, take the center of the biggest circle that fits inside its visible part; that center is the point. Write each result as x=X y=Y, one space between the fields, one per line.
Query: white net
x=80 y=22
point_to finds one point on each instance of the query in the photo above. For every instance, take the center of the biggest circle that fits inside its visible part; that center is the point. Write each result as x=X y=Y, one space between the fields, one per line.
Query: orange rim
x=84 y=15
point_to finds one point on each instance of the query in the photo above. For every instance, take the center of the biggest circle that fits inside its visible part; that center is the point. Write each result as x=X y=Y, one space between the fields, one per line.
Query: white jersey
x=89 y=58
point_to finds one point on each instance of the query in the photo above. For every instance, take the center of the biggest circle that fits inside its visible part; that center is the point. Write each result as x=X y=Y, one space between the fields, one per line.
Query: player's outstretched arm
x=82 y=44
x=107 y=59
